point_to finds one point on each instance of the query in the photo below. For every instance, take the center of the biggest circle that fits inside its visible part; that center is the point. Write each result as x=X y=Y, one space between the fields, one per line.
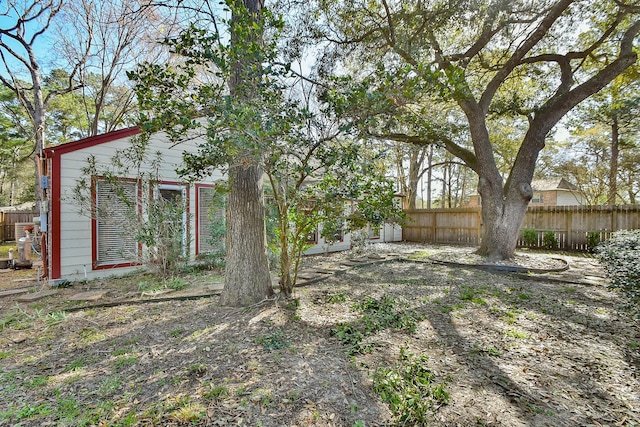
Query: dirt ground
x=509 y=349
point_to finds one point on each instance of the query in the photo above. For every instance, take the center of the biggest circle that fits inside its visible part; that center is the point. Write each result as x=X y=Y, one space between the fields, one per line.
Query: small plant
x=530 y=237
x=410 y=389
x=335 y=297
x=216 y=392
x=125 y=362
x=377 y=315
x=76 y=364
x=620 y=256
x=593 y=240
x=189 y=413
x=514 y=333
x=175 y=333
x=549 y=240
x=197 y=369
x=274 y=341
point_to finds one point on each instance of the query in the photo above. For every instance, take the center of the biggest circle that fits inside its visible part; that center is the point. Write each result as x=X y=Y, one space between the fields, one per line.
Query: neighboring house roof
x=552 y=184
x=27 y=206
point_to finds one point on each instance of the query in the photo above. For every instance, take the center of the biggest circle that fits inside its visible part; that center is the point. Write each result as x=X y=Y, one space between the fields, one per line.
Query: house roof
x=552 y=184
x=91 y=141
x=27 y=206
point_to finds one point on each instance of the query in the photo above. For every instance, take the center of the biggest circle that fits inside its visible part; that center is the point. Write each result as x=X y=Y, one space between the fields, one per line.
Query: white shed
x=80 y=246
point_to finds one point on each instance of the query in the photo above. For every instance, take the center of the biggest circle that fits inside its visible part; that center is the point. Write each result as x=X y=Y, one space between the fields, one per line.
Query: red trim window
x=116 y=205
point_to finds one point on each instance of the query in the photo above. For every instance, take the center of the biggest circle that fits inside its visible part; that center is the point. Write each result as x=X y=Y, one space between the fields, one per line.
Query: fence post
x=569 y=231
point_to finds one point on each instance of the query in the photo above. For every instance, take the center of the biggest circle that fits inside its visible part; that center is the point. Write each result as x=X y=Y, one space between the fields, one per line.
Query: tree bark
x=247 y=278
x=613 y=164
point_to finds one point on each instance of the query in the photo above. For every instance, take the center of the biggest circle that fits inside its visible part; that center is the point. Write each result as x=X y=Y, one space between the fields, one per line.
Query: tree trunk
x=613 y=164
x=429 y=176
x=286 y=283
x=415 y=163
x=247 y=278
x=501 y=226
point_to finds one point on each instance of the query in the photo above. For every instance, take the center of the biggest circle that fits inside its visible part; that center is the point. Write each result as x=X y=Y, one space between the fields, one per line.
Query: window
x=114 y=205
x=537 y=198
x=312 y=237
x=170 y=209
x=211 y=220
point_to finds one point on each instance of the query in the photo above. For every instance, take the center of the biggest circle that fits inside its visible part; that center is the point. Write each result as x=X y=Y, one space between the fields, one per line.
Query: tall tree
x=26 y=24
x=116 y=34
x=614 y=111
x=217 y=75
x=513 y=58
x=247 y=277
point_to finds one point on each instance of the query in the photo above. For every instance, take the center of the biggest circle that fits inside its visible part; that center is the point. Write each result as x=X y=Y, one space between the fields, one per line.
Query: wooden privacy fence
x=571 y=226
x=8 y=221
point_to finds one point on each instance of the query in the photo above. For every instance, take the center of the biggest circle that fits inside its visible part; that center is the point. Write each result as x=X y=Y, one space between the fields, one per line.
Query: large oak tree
x=533 y=60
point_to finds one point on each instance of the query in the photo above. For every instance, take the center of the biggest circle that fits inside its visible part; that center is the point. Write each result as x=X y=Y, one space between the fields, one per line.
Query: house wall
x=568 y=198
x=72 y=231
x=549 y=198
x=389 y=232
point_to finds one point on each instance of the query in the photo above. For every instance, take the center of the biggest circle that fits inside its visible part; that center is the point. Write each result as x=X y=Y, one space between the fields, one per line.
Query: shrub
x=620 y=256
x=549 y=240
x=593 y=240
x=410 y=389
x=530 y=237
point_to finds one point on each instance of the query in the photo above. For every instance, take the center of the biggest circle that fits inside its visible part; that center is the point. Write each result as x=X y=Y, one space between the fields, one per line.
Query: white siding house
x=83 y=247
x=388 y=232
x=80 y=246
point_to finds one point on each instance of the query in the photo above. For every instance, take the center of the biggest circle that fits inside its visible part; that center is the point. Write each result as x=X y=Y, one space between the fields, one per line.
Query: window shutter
x=116 y=241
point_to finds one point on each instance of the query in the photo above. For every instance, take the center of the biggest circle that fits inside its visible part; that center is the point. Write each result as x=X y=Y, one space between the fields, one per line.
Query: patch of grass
x=92 y=335
x=377 y=314
x=68 y=408
x=175 y=333
x=125 y=362
x=197 y=369
x=5 y=354
x=524 y=296
x=76 y=364
x=274 y=341
x=29 y=411
x=38 y=381
x=410 y=389
x=216 y=392
x=56 y=317
x=514 y=333
x=335 y=297
x=449 y=308
x=109 y=385
x=420 y=255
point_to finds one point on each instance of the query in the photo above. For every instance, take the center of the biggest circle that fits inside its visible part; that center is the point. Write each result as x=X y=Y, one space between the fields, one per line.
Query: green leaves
x=410 y=389
x=620 y=256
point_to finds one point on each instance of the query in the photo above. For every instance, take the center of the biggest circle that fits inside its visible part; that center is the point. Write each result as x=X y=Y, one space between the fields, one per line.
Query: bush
x=410 y=389
x=620 y=256
x=530 y=237
x=593 y=240
x=549 y=240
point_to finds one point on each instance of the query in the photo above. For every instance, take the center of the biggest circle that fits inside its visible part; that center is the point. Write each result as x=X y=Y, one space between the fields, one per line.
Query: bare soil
x=512 y=349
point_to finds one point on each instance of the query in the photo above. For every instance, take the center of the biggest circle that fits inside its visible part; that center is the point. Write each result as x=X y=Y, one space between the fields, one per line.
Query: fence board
x=8 y=221
x=570 y=225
